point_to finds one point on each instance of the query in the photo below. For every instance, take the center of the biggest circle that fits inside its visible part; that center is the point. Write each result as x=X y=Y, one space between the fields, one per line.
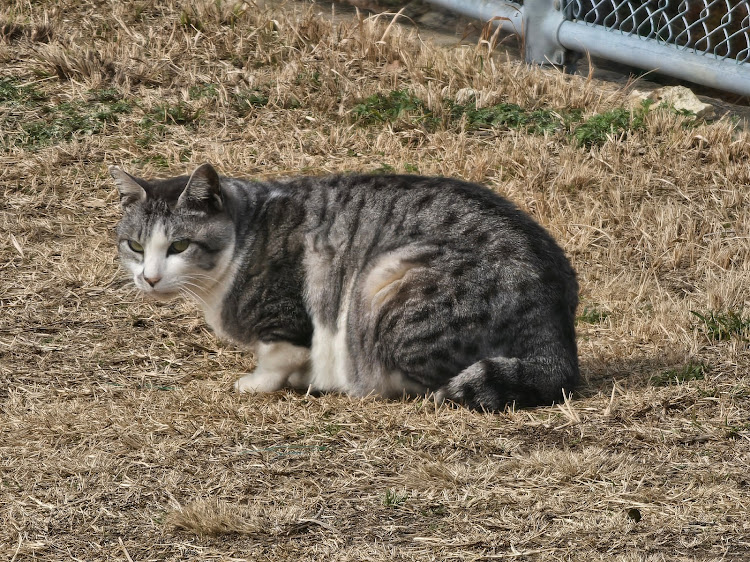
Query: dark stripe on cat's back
x=323 y=210
x=375 y=245
x=360 y=205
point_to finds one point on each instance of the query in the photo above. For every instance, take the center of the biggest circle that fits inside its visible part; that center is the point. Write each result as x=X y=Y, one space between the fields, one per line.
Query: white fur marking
x=329 y=357
x=276 y=363
x=155 y=254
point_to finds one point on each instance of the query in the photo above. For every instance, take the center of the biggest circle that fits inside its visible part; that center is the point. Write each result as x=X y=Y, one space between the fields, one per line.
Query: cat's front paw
x=439 y=396
x=258 y=382
x=490 y=384
x=464 y=388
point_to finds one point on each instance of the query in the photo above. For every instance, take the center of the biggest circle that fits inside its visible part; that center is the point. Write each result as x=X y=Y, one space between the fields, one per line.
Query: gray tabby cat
x=363 y=284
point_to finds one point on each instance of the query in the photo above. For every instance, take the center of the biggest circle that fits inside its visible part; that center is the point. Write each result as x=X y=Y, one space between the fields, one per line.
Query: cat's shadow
x=599 y=375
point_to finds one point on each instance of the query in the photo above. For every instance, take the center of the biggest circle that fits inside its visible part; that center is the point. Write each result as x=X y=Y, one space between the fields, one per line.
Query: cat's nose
x=152 y=280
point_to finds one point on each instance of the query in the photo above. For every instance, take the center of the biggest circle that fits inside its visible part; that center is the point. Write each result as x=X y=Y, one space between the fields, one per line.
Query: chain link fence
x=718 y=28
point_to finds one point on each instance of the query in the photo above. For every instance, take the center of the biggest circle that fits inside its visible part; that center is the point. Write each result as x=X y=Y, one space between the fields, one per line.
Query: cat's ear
x=202 y=189
x=130 y=190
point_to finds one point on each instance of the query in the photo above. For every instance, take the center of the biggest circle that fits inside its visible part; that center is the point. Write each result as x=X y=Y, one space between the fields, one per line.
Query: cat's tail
x=492 y=384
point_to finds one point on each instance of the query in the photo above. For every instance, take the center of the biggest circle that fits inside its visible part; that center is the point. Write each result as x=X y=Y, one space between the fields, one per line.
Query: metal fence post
x=541 y=21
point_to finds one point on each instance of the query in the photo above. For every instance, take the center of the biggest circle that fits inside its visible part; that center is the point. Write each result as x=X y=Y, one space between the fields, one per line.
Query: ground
x=120 y=436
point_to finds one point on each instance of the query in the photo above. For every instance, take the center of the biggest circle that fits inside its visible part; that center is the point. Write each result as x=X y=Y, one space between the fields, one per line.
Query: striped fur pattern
x=385 y=284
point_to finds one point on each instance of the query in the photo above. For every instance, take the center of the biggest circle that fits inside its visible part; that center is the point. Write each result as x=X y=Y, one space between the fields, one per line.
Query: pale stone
x=636 y=97
x=465 y=95
x=680 y=98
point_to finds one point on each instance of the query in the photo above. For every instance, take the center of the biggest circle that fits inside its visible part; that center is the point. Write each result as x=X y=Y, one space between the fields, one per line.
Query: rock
x=636 y=97
x=682 y=98
x=435 y=19
x=465 y=95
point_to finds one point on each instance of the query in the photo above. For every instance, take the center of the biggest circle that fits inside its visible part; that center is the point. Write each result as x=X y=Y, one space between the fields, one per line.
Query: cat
x=363 y=284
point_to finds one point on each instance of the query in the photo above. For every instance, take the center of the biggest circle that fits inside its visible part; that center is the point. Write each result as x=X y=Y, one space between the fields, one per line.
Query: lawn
x=120 y=435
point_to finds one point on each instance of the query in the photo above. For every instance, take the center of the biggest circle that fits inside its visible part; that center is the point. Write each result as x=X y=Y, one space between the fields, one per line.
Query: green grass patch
x=152 y=134
x=331 y=429
x=595 y=130
x=308 y=79
x=691 y=119
x=722 y=326
x=203 y=91
x=246 y=102
x=62 y=122
x=510 y=116
x=179 y=113
x=393 y=106
x=394 y=499
x=688 y=372
x=156 y=160
x=14 y=93
x=593 y=315
x=381 y=108
x=401 y=105
x=107 y=96
x=404 y=107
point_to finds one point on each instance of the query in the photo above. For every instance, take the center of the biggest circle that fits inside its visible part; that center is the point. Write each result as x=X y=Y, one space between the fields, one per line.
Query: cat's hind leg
x=493 y=384
x=279 y=365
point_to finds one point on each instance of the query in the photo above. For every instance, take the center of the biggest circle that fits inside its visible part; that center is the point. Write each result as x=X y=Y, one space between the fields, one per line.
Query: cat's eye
x=135 y=246
x=179 y=246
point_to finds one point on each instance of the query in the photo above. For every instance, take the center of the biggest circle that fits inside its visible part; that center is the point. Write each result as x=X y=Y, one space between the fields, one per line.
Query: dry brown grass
x=120 y=437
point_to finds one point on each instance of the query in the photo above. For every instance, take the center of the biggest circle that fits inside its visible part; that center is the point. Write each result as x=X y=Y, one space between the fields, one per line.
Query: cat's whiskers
x=197 y=275
x=202 y=276
x=195 y=293
x=192 y=294
x=197 y=282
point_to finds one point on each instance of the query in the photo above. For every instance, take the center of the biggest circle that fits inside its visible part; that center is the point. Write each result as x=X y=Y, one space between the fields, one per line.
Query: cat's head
x=175 y=235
